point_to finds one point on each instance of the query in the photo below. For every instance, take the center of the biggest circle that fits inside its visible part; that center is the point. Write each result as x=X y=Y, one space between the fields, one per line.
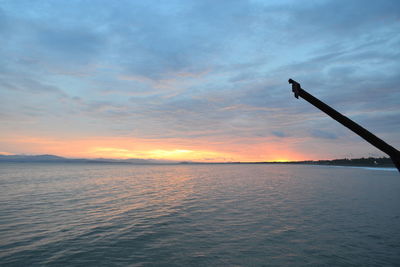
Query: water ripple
x=197 y=215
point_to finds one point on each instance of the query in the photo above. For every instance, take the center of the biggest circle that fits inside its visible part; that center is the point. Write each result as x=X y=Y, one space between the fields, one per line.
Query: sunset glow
x=175 y=149
x=161 y=154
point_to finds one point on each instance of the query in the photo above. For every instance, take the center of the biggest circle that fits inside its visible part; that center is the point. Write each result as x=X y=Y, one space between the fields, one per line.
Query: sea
x=80 y=214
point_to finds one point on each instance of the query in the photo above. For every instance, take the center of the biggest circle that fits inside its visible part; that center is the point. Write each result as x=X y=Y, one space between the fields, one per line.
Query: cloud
x=279 y=134
x=212 y=70
x=329 y=19
x=60 y=43
x=323 y=134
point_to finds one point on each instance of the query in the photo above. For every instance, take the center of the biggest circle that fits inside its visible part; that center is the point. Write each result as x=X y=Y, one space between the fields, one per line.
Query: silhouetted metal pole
x=393 y=153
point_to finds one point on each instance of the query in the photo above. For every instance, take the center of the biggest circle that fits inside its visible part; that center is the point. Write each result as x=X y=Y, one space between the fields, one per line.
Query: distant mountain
x=31 y=158
x=55 y=159
x=372 y=162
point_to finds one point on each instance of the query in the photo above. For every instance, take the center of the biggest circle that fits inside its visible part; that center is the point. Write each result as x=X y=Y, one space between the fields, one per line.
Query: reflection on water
x=181 y=215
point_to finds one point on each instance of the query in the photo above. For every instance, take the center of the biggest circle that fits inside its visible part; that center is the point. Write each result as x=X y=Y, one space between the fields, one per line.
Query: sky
x=197 y=80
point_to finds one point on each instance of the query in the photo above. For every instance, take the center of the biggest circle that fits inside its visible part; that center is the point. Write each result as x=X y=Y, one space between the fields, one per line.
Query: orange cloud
x=5 y=153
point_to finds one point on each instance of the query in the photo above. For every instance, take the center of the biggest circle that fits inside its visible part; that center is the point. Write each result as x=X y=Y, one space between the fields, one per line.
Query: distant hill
x=55 y=159
x=31 y=158
x=362 y=162
x=368 y=162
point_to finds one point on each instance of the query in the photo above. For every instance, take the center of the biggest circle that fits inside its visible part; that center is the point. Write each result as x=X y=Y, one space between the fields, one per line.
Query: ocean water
x=198 y=215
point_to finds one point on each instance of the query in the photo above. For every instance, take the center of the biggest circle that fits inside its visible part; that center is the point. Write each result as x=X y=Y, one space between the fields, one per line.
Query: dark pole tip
x=295 y=88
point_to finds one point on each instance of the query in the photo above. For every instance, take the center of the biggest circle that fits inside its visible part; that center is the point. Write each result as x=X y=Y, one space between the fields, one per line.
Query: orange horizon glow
x=157 y=149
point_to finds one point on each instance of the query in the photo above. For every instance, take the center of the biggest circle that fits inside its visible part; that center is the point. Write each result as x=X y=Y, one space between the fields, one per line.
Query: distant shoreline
x=383 y=162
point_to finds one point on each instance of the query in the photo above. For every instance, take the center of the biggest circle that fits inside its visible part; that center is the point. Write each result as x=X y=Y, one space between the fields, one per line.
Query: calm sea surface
x=198 y=215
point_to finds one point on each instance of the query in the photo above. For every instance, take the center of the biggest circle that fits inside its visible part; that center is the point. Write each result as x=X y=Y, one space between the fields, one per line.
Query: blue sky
x=205 y=76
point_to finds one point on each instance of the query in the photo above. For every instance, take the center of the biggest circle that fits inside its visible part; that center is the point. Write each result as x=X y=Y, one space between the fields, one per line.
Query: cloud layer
x=199 y=75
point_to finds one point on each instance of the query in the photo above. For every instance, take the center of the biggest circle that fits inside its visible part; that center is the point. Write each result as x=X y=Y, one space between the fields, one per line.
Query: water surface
x=197 y=215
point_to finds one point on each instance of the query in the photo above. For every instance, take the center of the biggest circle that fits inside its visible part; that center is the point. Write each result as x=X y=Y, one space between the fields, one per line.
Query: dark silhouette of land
x=358 y=162
x=393 y=153
x=364 y=162
x=58 y=159
x=383 y=162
